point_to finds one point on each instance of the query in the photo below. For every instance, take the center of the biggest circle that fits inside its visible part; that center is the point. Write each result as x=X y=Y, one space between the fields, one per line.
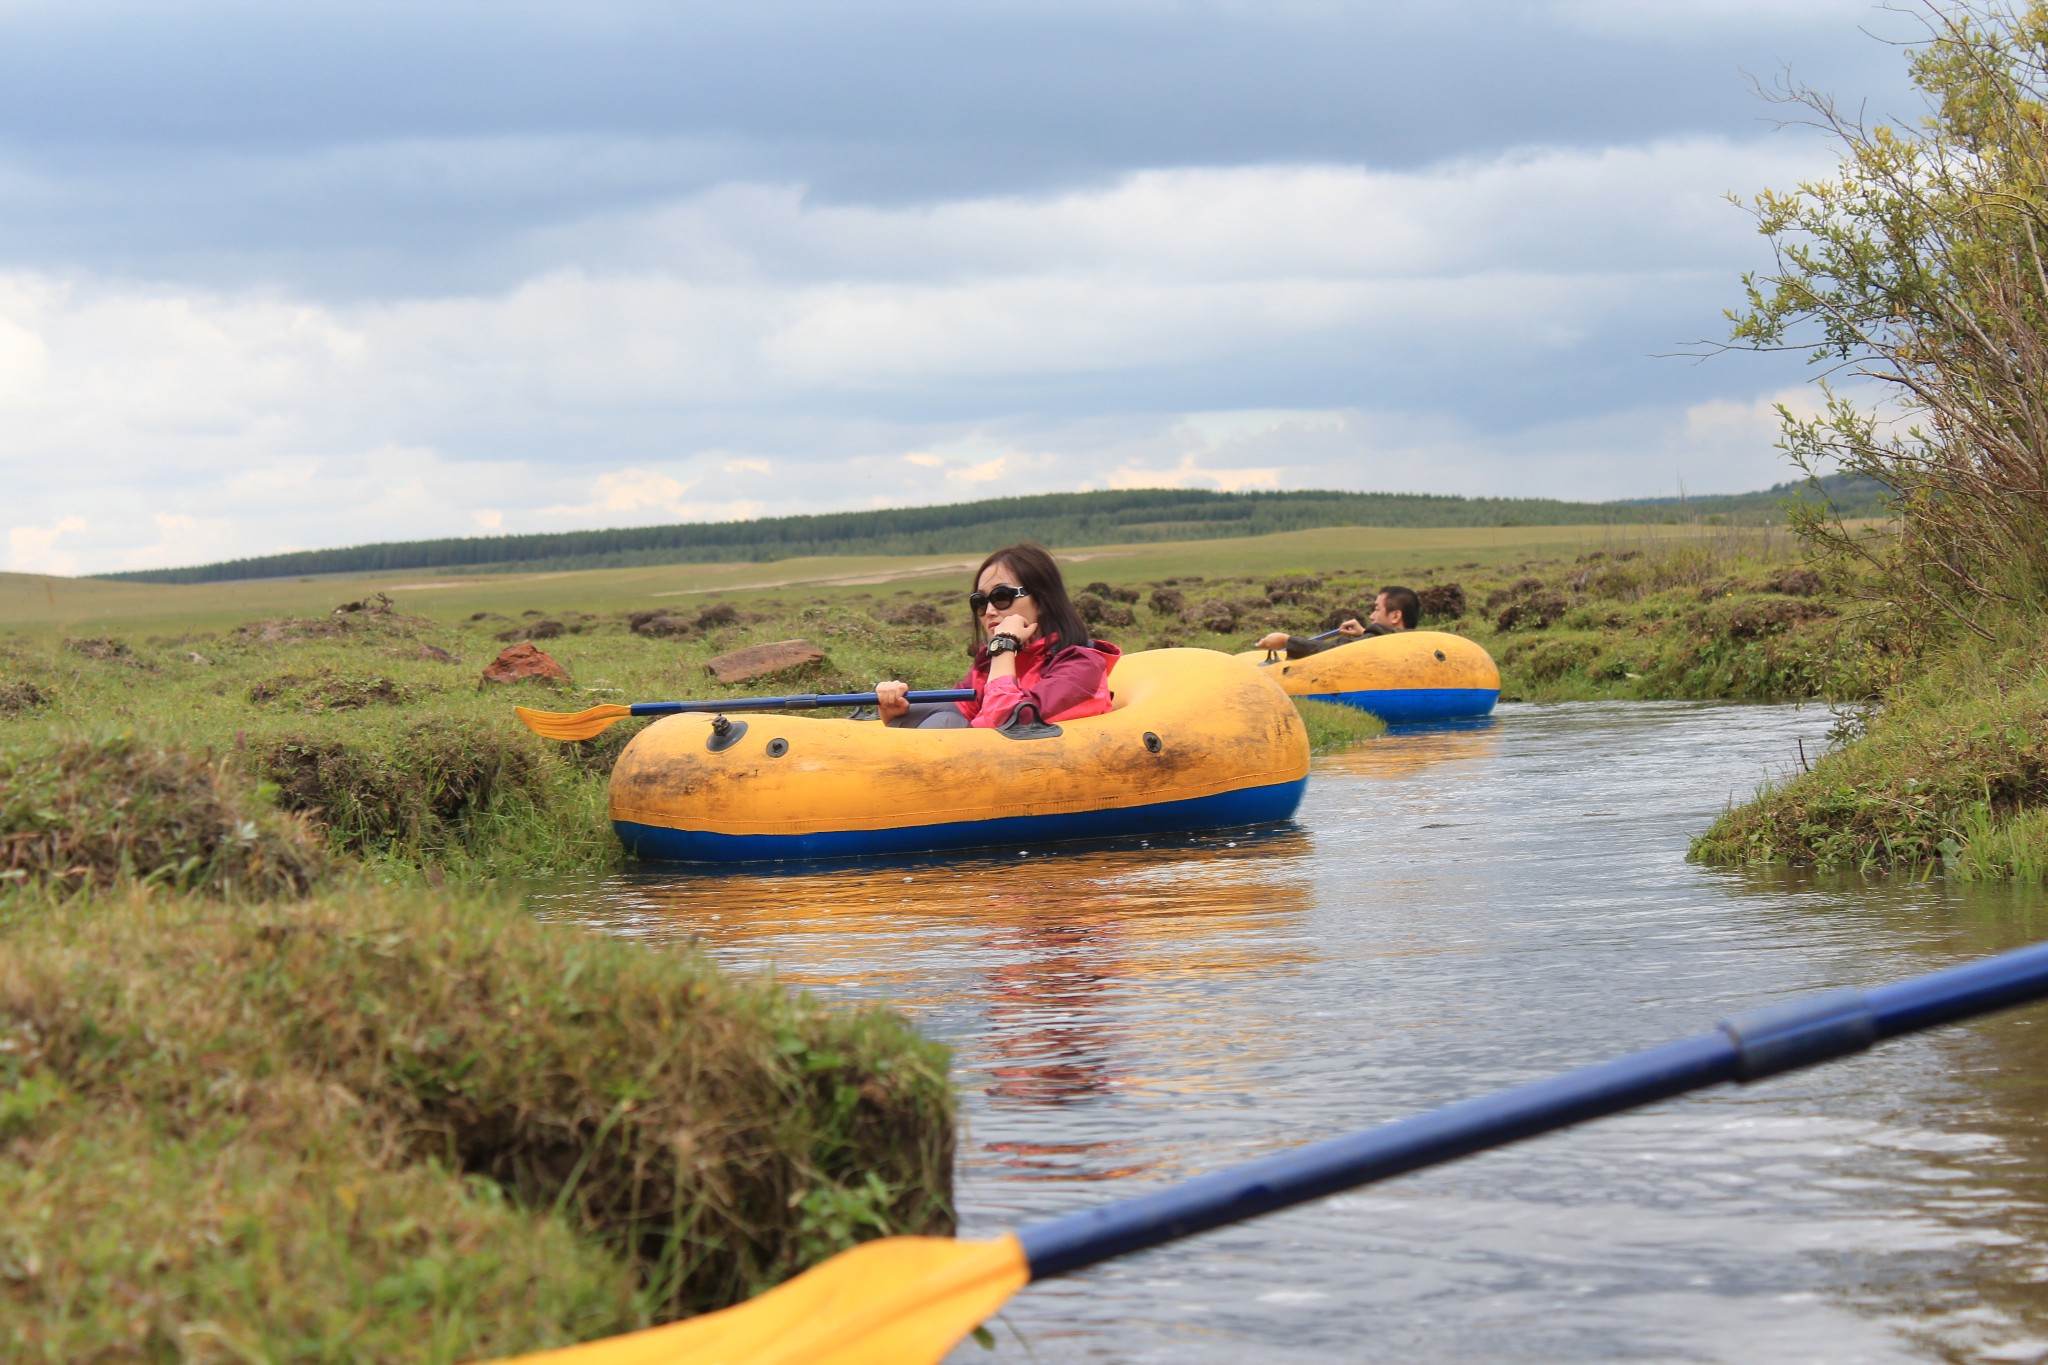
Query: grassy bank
x=1951 y=772
x=384 y=1124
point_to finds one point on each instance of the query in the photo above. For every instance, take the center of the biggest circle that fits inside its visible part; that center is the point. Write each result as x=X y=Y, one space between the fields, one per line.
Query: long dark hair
x=1059 y=625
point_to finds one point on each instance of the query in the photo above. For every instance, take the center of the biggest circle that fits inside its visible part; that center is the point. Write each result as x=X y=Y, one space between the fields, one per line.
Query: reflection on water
x=1453 y=912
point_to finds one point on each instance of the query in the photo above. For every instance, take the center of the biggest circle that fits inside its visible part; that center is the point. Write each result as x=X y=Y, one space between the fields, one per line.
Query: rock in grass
x=762 y=661
x=524 y=662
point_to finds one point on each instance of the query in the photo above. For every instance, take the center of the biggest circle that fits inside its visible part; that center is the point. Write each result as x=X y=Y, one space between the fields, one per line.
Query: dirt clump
x=1168 y=602
x=1097 y=612
x=658 y=624
x=328 y=690
x=420 y=791
x=522 y=663
x=1754 y=620
x=718 y=614
x=1442 y=602
x=1538 y=610
x=17 y=697
x=1798 y=583
x=106 y=650
x=1293 y=590
x=917 y=614
x=545 y=629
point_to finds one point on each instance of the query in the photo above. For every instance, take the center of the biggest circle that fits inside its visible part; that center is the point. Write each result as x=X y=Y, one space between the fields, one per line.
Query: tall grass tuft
x=94 y=812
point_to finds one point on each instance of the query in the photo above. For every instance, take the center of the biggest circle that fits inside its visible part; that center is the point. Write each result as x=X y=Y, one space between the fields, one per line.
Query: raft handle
x=725 y=732
x=1037 y=727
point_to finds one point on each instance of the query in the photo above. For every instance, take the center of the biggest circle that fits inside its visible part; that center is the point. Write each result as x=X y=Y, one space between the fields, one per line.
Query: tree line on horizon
x=1119 y=516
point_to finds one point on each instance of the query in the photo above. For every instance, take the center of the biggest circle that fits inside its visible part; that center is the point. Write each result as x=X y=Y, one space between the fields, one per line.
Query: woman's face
x=997 y=575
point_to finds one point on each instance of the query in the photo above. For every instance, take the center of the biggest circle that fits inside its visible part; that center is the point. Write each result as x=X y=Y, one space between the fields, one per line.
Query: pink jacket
x=1071 y=684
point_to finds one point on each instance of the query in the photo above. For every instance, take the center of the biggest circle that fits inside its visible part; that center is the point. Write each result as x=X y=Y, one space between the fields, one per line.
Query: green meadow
x=32 y=603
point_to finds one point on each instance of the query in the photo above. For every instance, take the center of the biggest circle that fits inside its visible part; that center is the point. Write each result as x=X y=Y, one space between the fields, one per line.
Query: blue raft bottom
x=1226 y=810
x=1408 y=705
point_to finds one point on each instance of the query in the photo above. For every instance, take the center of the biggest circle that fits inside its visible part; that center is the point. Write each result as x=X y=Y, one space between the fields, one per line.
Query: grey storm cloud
x=312 y=274
x=352 y=146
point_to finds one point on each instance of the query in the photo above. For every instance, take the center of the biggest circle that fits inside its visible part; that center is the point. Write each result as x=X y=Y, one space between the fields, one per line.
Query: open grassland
x=31 y=603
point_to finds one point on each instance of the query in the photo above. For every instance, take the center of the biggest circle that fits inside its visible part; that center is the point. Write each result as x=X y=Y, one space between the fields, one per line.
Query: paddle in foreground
x=909 y=1300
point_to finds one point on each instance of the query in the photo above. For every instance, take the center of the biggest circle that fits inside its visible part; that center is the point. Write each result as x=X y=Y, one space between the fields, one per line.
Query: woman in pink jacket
x=1030 y=647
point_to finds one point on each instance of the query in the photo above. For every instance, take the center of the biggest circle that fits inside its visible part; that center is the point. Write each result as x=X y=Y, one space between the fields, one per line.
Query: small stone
x=761 y=661
x=524 y=663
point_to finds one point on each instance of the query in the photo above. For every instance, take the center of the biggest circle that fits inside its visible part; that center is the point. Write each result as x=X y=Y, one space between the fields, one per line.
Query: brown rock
x=523 y=663
x=761 y=661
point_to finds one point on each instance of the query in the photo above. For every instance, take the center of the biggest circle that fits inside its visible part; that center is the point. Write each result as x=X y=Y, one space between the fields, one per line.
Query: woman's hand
x=1004 y=665
x=1017 y=626
x=889 y=700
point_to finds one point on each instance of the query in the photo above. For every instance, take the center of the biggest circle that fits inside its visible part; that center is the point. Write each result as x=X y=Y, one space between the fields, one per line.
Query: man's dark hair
x=1407 y=603
x=1059 y=625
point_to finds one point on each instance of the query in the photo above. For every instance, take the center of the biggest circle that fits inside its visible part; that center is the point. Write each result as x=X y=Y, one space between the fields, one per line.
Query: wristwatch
x=1003 y=644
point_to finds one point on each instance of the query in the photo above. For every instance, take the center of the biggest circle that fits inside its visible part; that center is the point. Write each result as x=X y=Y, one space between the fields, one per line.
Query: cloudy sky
x=283 y=276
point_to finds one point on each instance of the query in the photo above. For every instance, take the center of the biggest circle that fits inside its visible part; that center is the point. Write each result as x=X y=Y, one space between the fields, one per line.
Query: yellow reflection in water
x=1407 y=755
x=1047 y=946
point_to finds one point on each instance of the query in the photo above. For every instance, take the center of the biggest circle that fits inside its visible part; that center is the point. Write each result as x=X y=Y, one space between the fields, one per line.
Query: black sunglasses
x=1002 y=598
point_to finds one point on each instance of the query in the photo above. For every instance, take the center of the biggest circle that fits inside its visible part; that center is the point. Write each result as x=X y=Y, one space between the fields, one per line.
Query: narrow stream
x=1451 y=913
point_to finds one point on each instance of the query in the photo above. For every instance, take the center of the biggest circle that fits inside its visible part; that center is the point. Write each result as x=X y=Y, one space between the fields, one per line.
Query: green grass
x=1332 y=727
x=402 y=1125
x=1951 y=772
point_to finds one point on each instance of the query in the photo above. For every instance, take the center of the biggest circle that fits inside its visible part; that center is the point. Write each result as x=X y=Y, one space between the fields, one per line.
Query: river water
x=1450 y=913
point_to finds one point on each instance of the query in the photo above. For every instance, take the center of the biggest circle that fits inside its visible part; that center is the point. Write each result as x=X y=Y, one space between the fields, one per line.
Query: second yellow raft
x=1411 y=677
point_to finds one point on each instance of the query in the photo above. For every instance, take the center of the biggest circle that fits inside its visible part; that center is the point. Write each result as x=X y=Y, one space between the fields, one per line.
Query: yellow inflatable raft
x=1406 y=678
x=1196 y=741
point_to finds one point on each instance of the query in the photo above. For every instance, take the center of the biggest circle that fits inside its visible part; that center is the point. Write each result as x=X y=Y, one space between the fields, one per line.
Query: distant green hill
x=1851 y=496
x=1101 y=518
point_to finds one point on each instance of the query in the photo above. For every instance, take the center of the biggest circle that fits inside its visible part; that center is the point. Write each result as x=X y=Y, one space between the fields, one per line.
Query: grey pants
x=932 y=715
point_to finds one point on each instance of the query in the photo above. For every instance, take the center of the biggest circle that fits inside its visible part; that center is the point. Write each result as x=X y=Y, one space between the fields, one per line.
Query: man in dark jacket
x=1395 y=609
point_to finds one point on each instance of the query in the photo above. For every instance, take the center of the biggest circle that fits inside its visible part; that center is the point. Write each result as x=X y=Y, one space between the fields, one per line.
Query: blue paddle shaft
x=798 y=703
x=1745 y=1048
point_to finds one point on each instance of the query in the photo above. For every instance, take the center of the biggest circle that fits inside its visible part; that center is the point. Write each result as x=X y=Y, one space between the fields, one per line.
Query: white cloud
x=33 y=549
x=749 y=349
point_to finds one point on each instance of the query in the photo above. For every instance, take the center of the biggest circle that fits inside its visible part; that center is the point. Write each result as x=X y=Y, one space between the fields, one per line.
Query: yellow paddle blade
x=571 y=724
x=897 y=1301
